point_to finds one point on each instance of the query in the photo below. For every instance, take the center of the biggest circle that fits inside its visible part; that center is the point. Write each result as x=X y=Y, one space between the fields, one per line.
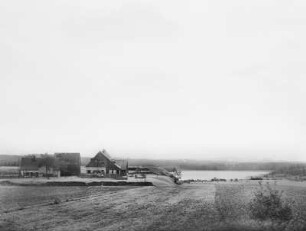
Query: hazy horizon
x=201 y=159
x=154 y=79
x=205 y=158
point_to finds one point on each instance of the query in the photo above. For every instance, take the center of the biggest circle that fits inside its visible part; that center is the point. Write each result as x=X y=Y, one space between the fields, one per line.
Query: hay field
x=209 y=206
x=14 y=198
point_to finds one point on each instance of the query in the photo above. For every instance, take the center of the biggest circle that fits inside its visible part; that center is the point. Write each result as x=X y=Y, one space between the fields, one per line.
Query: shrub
x=56 y=201
x=268 y=204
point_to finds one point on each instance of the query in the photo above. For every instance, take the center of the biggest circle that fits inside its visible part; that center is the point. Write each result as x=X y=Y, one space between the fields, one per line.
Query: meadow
x=166 y=206
x=14 y=198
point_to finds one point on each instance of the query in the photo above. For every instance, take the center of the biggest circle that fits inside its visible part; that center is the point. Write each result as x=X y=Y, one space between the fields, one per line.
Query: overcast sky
x=154 y=79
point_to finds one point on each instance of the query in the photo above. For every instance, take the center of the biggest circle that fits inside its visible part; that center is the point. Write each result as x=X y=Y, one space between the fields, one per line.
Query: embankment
x=79 y=183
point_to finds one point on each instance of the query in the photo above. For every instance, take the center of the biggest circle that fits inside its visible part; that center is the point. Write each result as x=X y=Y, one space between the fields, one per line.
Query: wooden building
x=38 y=166
x=104 y=166
x=68 y=163
x=59 y=164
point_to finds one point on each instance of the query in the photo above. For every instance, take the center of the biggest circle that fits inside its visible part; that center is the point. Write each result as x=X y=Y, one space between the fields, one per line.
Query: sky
x=213 y=80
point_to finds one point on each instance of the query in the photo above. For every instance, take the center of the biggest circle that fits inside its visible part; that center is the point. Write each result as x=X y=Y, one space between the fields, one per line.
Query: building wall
x=41 y=172
x=50 y=171
x=90 y=170
x=69 y=163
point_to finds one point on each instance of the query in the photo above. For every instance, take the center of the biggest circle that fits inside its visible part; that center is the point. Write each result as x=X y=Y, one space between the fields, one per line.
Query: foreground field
x=209 y=206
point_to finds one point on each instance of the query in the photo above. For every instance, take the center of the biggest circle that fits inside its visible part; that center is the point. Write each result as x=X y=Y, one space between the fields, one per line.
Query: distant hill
x=297 y=170
x=215 y=165
x=10 y=160
x=14 y=160
x=211 y=165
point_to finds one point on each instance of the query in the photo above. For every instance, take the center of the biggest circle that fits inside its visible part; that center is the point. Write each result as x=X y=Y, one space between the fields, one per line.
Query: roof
x=72 y=156
x=98 y=161
x=67 y=154
x=106 y=154
x=34 y=162
x=29 y=163
x=122 y=164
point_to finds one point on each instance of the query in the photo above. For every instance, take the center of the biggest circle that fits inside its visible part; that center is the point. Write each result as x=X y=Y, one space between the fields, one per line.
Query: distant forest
x=218 y=165
x=284 y=167
x=10 y=160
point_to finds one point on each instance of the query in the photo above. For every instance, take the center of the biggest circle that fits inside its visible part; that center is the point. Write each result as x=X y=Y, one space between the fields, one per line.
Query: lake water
x=208 y=175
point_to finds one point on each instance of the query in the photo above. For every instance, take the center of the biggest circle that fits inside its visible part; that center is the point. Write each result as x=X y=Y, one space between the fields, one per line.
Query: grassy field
x=208 y=206
x=14 y=198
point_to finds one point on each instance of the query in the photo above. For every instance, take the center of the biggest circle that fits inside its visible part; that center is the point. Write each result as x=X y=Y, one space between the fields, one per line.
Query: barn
x=38 y=166
x=69 y=163
x=104 y=166
x=59 y=164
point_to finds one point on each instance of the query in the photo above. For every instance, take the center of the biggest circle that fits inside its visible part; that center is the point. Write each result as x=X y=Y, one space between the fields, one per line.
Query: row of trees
x=294 y=170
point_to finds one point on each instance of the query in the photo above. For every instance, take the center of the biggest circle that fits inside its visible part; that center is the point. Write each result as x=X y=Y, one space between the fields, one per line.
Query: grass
x=16 y=197
x=209 y=206
x=233 y=205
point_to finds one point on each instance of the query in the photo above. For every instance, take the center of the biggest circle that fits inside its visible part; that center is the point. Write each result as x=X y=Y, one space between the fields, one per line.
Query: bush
x=268 y=204
x=56 y=201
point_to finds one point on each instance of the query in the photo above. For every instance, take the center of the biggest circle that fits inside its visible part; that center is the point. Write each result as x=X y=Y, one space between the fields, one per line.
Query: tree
x=48 y=162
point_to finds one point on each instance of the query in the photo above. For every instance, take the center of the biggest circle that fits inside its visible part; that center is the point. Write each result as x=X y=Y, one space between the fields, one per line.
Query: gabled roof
x=122 y=164
x=106 y=154
x=98 y=160
x=34 y=162
x=29 y=163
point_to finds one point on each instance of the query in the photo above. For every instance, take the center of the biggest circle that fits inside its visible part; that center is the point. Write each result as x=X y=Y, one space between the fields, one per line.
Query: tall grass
x=262 y=207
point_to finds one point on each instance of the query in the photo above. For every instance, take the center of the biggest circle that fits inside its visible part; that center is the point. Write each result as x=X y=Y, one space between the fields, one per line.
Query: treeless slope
x=209 y=206
x=144 y=208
